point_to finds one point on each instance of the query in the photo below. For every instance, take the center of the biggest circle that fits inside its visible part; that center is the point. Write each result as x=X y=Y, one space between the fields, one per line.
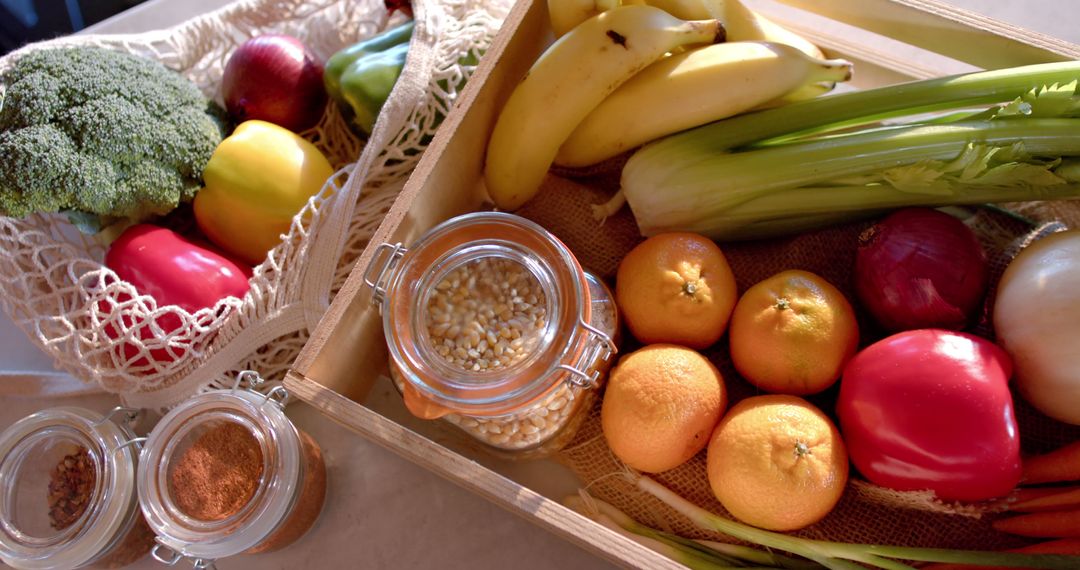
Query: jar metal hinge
x=378 y=273
x=171 y=557
x=272 y=392
x=599 y=348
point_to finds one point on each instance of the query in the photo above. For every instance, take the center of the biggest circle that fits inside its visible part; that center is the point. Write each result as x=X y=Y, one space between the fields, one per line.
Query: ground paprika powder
x=228 y=473
x=218 y=474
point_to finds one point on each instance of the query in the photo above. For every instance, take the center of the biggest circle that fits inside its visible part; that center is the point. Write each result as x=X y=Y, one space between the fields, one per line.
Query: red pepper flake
x=71 y=484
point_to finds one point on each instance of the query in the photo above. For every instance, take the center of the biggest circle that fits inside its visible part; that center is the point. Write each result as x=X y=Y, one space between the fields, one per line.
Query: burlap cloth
x=866 y=513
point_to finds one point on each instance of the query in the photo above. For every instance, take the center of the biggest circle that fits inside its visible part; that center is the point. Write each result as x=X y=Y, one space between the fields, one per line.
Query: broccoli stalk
x=93 y=132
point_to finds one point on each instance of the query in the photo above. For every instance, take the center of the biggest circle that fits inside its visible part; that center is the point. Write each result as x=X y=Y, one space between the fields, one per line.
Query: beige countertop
x=382 y=511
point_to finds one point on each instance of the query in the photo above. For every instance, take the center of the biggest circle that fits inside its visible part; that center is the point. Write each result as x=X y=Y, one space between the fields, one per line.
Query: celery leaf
x=924 y=177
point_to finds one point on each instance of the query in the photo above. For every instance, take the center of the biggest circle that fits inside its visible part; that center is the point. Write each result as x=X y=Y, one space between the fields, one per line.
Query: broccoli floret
x=102 y=132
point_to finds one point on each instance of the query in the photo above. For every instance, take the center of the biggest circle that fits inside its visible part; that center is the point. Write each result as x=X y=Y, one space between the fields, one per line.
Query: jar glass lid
x=69 y=487
x=218 y=473
x=482 y=310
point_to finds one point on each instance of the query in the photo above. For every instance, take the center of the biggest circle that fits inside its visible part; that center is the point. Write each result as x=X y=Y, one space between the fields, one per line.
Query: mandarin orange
x=792 y=333
x=660 y=406
x=676 y=288
x=777 y=462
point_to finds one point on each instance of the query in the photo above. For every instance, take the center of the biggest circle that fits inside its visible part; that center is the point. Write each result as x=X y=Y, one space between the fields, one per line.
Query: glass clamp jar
x=227 y=473
x=493 y=326
x=68 y=491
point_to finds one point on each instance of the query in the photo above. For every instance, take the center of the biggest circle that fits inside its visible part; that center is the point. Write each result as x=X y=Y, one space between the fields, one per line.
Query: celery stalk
x=801 y=166
x=806 y=184
x=866 y=106
x=765 y=216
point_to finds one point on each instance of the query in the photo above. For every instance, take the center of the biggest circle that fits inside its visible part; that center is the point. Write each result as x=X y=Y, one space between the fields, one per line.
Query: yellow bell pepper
x=256 y=181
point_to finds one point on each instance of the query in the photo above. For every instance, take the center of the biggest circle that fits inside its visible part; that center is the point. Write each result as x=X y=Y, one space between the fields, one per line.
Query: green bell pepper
x=360 y=77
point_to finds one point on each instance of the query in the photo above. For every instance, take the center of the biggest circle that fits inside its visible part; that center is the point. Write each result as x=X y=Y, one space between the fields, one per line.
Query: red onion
x=274 y=78
x=920 y=268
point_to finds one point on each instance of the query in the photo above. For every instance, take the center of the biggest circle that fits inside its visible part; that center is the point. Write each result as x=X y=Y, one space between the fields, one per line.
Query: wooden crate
x=343 y=369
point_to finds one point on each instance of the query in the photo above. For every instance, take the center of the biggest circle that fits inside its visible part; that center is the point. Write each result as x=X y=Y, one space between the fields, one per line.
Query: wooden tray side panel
x=443 y=185
x=519 y=500
x=947 y=30
x=347 y=353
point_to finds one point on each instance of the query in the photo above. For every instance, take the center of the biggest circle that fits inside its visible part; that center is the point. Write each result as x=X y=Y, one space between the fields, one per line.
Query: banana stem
x=832 y=71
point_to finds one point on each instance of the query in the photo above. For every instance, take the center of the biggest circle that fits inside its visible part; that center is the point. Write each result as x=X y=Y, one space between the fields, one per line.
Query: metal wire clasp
x=378 y=273
x=130 y=415
x=599 y=348
x=275 y=393
x=170 y=557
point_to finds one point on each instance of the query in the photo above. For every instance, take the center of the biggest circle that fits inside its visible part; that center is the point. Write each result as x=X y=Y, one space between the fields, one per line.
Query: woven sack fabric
x=867 y=513
x=98 y=328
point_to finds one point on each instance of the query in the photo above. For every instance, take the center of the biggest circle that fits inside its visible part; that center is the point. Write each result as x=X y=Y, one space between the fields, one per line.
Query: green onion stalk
x=831 y=555
x=694 y=554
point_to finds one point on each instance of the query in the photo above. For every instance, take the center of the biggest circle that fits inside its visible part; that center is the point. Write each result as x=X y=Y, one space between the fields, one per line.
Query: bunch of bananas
x=623 y=73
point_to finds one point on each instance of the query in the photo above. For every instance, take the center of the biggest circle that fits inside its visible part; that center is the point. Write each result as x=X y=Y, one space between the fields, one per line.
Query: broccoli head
x=102 y=132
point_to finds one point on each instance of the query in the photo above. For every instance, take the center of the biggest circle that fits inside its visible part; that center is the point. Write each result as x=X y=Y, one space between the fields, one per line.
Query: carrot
x=1054 y=524
x=1051 y=502
x=1059 y=546
x=1025 y=494
x=1062 y=464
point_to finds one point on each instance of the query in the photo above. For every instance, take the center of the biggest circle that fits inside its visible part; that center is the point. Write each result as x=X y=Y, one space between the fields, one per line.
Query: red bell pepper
x=931 y=409
x=174 y=270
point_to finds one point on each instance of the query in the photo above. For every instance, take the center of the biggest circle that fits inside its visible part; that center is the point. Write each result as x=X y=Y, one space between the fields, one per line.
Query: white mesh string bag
x=53 y=283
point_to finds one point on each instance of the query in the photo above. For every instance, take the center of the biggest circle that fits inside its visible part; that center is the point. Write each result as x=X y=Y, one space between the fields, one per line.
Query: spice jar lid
x=501 y=279
x=68 y=488
x=201 y=514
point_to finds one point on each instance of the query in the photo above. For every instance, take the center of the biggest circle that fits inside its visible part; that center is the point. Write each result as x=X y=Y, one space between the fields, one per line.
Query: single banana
x=690 y=9
x=743 y=24
x=808 y=91
x=568 y=81
x=690 y=89
x=566 y=14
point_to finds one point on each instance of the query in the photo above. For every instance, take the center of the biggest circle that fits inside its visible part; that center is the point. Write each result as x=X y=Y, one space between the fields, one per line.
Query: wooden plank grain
x=524 y=502
x=879 y=60
x=347 y=349
x=347 y=352
x=947 y=30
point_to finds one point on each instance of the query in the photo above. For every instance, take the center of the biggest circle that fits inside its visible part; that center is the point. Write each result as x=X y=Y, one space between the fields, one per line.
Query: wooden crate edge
x=522 y=501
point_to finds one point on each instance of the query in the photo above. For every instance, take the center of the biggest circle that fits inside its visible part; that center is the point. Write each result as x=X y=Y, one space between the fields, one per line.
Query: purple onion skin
x=274 y=78
x=920 y=268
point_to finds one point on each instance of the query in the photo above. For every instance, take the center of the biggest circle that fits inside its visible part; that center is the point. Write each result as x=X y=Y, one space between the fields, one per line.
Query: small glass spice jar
x=227 y=473
x=68 y=495
x=493 y=326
